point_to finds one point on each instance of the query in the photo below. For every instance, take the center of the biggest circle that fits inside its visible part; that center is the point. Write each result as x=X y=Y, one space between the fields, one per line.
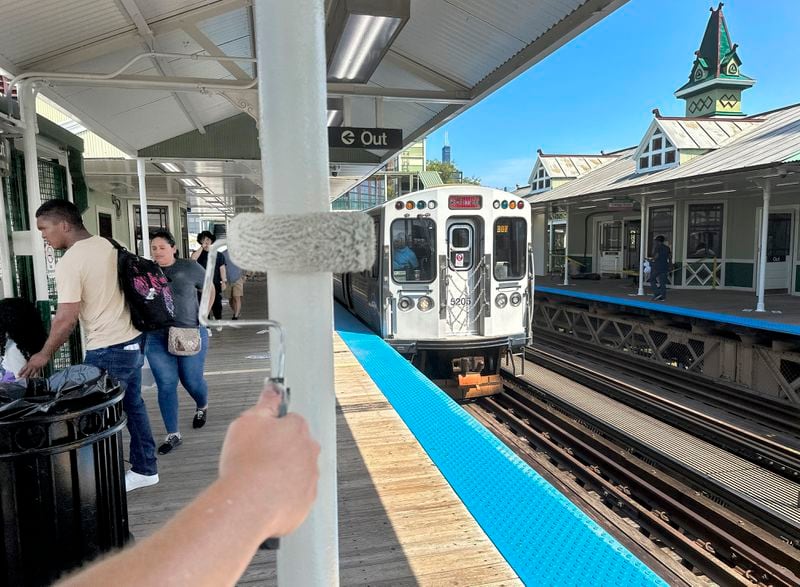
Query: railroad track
x=772 y=453
x=706 y=538
x=781 y=416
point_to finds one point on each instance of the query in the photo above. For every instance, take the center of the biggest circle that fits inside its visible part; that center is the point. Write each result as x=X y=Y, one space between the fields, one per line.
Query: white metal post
x=566 y=245
x=27 y=102
x=548 y=226
x=143 y=209
x=5 y=252
x=290 y=47
x=762 y=250
x=642 y=244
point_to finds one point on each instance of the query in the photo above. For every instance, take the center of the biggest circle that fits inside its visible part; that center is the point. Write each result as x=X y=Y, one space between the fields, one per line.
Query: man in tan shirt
x=88 y=289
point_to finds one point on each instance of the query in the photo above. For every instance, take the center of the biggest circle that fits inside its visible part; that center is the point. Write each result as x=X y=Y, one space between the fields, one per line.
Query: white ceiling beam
x=130 y=9
x=212 y=49
x=65 y=57
x=423 y=72
x=399 y=94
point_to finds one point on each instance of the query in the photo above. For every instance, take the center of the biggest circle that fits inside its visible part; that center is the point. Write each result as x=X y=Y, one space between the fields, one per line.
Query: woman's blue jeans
x=123 y=362
x=168 y=369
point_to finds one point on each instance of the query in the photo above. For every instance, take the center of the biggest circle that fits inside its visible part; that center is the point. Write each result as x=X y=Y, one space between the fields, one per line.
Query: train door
x=464 y=276
x=778 y=274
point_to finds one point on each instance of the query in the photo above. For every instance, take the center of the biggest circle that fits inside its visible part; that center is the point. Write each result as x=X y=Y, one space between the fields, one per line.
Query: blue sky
x=598 y=91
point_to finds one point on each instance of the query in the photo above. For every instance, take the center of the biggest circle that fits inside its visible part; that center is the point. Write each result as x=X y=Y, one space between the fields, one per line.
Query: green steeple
x=715 y=83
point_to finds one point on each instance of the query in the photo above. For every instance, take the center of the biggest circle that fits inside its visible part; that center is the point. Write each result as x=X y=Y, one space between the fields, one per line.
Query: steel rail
x=726 y=549
x=770 y=412
x=771 y=454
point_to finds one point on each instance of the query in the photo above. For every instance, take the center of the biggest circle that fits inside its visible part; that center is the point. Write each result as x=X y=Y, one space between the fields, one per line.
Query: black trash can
x=62 y=481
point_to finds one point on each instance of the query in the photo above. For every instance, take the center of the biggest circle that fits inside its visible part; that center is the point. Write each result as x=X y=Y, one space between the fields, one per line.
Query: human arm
x=267 y=483
x=63 y=325
x=196 y=253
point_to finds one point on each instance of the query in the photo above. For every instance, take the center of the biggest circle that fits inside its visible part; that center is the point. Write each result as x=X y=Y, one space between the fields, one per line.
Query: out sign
x=351 y=137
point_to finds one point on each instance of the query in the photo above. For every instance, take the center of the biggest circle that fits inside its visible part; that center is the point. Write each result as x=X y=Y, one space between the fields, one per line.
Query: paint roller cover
x=336 y=242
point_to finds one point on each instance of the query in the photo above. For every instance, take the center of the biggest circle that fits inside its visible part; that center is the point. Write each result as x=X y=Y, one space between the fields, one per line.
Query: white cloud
x=506 y=172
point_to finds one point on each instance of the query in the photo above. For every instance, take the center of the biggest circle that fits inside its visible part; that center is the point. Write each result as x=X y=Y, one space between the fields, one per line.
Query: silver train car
x=452 y=282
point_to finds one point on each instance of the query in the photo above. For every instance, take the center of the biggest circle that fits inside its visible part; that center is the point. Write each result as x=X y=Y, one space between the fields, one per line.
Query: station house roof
x=774 y=140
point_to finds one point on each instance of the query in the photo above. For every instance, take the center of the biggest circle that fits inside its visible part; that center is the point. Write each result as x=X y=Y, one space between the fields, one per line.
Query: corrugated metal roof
x=430 y=179
x=774 y=140
x=568 y=166
x=697 y=133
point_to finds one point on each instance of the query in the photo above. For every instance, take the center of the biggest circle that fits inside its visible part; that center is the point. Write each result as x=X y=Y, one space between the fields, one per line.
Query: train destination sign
x=365 y=138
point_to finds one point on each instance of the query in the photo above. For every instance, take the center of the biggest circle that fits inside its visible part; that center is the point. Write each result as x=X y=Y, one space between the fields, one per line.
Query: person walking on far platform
x=662 y=260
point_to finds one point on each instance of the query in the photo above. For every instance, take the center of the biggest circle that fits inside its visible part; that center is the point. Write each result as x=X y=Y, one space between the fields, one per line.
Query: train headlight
x=501 y=300
x=515 y=299
x=496 y=204
x=431 y=204
x=405 y=303
x=421 y=205
x=425 y=303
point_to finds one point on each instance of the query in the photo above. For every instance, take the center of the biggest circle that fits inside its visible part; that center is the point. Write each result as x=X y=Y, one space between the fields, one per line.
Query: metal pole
x=548 y=215
x=290 y=42
x=5 y=246
x=762 y=251
x=143 y=209
x=27 y=100
x=642 y=244
x=566 y=245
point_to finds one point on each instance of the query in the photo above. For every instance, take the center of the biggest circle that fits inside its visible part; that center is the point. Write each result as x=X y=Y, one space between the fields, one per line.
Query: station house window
x=413 y=250
x=541 y=182
x=659 y=223
x=704 y=231
x=658 y=153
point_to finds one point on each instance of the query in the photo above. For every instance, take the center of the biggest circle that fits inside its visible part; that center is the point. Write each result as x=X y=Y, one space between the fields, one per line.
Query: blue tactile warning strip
x=679 y=310
x=543 y=536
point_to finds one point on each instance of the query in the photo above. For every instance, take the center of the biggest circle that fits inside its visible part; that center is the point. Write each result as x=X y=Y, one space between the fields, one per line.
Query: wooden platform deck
x=400 y=523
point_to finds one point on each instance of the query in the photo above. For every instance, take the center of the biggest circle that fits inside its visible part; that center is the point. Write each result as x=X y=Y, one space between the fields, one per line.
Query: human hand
x=272 y=463
x=34 y=365
x=223 y=285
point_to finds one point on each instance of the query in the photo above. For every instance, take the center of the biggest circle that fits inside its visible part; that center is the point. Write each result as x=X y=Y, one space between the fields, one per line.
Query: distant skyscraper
x=446 y=150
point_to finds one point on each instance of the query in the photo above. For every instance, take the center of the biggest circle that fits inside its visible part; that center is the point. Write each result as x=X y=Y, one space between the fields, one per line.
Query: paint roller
x=335 y=242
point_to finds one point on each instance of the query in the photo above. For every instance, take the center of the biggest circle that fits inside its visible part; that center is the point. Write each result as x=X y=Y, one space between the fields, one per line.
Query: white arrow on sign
x=348 y=138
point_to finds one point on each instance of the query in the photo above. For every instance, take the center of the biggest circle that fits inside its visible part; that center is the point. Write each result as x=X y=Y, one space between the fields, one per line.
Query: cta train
x=451 y=287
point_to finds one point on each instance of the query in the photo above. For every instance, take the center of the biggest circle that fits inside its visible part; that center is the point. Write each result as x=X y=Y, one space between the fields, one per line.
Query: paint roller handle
x=277 y=383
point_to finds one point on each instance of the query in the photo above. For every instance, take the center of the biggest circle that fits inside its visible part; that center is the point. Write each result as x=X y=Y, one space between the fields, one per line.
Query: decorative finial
x=656 y=113
x=602 y=152
x=539 y=151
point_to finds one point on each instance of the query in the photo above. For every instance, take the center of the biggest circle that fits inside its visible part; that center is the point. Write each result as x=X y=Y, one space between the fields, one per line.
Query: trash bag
x=63 y=390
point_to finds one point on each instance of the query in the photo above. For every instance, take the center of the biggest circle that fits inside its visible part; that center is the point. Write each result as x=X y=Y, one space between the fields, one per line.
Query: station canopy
x=440 y=57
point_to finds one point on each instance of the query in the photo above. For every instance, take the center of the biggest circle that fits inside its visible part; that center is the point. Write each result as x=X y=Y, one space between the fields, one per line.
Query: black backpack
x=146 y=290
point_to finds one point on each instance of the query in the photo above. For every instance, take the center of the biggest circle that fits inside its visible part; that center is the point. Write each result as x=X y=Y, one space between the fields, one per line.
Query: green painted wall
x=740 y=228
x=103 y=200
x=739 y=274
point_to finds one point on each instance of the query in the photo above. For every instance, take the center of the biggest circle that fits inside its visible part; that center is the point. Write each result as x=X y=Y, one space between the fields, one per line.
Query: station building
x=722 y=186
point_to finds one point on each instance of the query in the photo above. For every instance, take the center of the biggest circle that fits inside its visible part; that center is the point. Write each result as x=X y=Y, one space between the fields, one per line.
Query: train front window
x=510 y=239
x=413 y=250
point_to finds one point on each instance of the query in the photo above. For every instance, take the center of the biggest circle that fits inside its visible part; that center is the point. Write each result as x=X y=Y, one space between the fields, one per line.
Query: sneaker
x=172 y=441
x=209 y=332
x=659 y=298
x=135 y=480
x=219 y=328
x=235 y=318
x=199 y=418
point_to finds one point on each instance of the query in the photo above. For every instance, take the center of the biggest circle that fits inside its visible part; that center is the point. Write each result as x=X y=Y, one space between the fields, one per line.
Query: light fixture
x=335 y=111
x=586 y=207
x=358 y=35
x=169 y=167
x=718 y=192
x=189 y=182
x=601 y=199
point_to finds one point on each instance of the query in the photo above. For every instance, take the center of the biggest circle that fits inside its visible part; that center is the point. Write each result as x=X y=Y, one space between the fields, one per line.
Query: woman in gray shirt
x=186 y=279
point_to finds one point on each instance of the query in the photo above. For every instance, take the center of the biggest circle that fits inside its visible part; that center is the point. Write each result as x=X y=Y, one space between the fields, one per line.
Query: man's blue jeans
x=658 y=281
x=168 y=369
x=125 y=366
